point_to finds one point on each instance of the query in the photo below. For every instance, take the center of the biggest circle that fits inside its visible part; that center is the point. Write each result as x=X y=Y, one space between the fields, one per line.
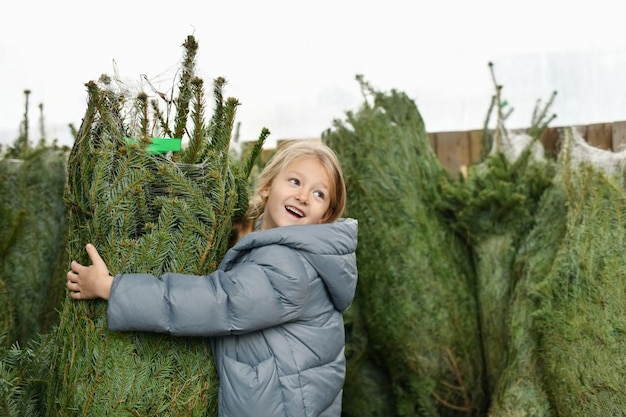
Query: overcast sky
x=292 y=64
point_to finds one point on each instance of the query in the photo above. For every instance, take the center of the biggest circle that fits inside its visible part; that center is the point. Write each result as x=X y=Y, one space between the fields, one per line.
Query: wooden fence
x=458 y=150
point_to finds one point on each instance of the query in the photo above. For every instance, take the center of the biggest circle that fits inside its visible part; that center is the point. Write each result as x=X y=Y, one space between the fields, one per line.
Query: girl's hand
x=89 y=282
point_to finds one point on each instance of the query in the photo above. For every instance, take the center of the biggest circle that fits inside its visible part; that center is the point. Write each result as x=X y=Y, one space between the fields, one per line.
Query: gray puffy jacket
x=276 y=302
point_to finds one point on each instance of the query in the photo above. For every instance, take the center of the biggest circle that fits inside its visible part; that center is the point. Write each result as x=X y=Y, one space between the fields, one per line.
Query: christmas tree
x=32 y=231
x=146 y=210
x=416 y=283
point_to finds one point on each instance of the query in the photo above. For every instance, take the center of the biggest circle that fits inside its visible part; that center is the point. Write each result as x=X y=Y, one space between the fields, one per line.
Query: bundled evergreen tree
x=494 y=208
x=33 y=238
x=11 y=219
x=415 y=292
x=556 y=367
x=520 y=389
x=581 y=313
x=367 y=389
x=147 y=212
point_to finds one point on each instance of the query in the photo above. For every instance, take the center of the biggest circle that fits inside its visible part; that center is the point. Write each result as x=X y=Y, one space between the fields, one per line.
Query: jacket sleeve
x=267 y=289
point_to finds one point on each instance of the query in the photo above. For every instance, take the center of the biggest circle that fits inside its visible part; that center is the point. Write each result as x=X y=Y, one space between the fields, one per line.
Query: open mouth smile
x=294 y=211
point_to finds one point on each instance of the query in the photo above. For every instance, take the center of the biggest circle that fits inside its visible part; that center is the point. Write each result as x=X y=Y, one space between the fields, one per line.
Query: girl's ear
x=264 y=192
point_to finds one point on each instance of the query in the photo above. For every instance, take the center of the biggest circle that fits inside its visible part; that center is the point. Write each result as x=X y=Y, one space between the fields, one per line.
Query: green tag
x=161 y=145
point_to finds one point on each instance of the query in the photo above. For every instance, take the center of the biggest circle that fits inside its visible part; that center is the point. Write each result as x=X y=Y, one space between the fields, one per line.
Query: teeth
x=295 y=211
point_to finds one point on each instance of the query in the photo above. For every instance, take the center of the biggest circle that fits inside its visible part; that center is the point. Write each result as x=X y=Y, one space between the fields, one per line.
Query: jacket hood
x=330 y=248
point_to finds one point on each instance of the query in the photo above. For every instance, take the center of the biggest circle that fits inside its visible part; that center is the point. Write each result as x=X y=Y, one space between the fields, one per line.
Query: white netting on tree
x=150 y=105
x=161 y=89
x=577 y=151
x=512 y=144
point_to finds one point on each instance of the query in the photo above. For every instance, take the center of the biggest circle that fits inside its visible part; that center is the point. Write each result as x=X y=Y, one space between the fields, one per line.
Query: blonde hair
x=285 y=155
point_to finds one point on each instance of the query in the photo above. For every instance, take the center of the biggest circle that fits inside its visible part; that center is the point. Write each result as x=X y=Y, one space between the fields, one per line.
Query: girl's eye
x=319 y=194
x=294 y=181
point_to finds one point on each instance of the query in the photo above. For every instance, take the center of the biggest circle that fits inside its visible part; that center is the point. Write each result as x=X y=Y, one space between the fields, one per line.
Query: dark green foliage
x=10 y=209
x=19 y=393
x=415 y=277
x=11 y=220
x=7 y=312
x=33 y=230
x=32 y=245
x=145 y=213
x=367 y=389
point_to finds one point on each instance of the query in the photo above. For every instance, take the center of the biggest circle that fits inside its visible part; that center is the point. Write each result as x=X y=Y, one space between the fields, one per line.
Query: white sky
x=292 y=64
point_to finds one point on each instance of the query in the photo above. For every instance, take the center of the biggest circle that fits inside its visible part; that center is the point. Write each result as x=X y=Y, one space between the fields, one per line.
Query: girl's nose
x=302 y=197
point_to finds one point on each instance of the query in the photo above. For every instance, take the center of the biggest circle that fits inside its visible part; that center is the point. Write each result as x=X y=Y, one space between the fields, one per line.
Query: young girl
x=274 y=305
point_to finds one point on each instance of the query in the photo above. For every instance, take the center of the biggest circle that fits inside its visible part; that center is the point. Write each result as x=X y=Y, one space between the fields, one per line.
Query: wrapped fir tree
x=147 y=208
x=32 y=230
x=416 y=283
x=367 y=391
x=581 y=315
x=494 y=208
x=10 y=219
x=519 y=390
x=566 y=309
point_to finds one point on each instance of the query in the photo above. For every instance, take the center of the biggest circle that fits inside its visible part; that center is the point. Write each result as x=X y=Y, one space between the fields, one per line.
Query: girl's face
x=300 y=194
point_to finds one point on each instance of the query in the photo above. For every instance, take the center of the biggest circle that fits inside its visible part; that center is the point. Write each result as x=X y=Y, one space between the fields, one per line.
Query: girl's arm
x=267 y=289
x=262 y=292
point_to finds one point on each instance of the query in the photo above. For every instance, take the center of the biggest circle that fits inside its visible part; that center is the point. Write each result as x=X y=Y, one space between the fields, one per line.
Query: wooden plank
x=475 y=141
x=453 y=151
x=600 y=135
x=550 y=140
x=619 y=136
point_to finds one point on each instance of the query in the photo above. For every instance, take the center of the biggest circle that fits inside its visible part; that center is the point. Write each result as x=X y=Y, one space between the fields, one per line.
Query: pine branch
x=185 y=95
